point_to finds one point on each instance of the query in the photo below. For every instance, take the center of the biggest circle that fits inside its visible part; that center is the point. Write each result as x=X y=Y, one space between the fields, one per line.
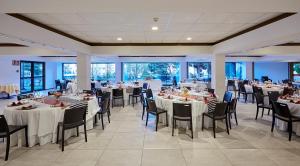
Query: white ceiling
x=136 y=27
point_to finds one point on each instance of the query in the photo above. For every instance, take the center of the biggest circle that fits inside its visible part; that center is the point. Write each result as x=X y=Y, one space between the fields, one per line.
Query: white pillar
x=83 y=71
x=249 y=71
x=118 y=71
x=218 y=74
x=183 y=70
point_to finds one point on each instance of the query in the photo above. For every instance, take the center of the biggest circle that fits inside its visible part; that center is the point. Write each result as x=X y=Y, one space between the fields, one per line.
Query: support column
x=218 y=74
x=83 y=71
x=183 y=70
x=249 y=71
x=118 y=71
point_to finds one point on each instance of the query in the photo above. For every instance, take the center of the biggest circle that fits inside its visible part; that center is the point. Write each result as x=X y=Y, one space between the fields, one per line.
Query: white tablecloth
x=42 y=122
x=198 y=107
x=265 y=91
x=72 y=87
x=154 y=84
x=10 y=89
x=197 y=86
x=295 y=111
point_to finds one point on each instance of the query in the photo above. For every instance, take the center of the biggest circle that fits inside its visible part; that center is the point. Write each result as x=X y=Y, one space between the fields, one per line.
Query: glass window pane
x=38 y=69
x=25 y=69
x=199 y=71
x=25 y=85
x=38 y=83
x=69 y=71
x=103 y=72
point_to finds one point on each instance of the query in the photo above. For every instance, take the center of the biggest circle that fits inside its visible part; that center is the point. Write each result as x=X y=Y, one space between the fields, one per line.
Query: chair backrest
x=210 y=90
x=145 y=85
x=137 y=91
x=220 y=110
x=105 y=104
x=143 y=98
x=149 y=93
x=281 y=109
x=105 y=95
x=57 y=82
x=75 y=114
x=242 y=87
x=151 y=105
x=233 y=104
x=3 y=124
x=259 y=98
x=231 y=85
x=273 y=95
x=183 y=110
x=99 y=93
x=117 y=92
x=287 y=91
x=227 y=97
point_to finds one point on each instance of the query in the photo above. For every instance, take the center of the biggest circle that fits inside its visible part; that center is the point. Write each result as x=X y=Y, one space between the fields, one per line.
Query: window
x=296 y=72
x=32 y=76
x=235 y=70
x=199 y=71
x=165 y=71
x=69 y=71
x=103 y=71
x=99 y=71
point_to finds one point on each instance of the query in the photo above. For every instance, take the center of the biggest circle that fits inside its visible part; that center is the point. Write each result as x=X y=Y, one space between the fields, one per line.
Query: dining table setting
x=42 y=115
x=198 y=99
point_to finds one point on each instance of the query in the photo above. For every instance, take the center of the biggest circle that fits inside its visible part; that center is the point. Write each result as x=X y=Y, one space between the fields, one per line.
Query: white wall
x=277 y=71
x=11 y=74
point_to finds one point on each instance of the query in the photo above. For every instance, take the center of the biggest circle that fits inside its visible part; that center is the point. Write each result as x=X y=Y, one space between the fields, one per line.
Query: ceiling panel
x=136 y=27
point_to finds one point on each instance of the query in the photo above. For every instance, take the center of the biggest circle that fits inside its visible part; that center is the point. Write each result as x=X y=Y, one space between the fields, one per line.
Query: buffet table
x=9 y=89
x=42 y=121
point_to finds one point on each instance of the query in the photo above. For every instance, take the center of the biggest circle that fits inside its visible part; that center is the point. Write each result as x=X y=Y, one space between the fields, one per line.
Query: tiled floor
x=126 y=141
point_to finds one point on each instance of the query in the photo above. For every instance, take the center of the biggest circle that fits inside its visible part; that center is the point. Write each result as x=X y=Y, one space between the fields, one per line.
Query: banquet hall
x=142 y=83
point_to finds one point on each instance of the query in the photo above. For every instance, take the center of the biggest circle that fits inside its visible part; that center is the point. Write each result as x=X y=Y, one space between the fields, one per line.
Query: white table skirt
x=42 y=122
x=265 y=91
x=198 y=107
x=295 y=111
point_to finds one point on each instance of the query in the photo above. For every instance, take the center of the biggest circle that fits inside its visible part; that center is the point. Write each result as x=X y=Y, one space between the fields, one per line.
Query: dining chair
x=104 y=108
x=135 y=95
x=227 y=97
x=287 y=91
x=261 y=104
x=231 y=86
x=7 y=130
x=182 y=112
x=149 y=94
x=282 y=112
x=145 y=86
x=144 y=104
x=99 y=94
x=58 y=84
x=220 y=113
x=74 y=117
x=232 y=110
x=117 y=94
x=153 y=110
x=242 y=90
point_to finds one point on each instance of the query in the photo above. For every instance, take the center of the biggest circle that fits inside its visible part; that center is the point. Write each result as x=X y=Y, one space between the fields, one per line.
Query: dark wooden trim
x=163 y=56
x=58 y=56
x=244 y=56
x=267 y=22
x=151 y=44
x=289 y=44
x=253 y=71
x=11 y=45
x=39 y=24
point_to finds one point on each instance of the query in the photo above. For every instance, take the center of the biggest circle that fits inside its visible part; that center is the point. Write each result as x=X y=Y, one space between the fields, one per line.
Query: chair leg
x=257 y=110
x=96 y=119
x=235 y=118
x=143 y=113
x=26 y=136
x=57 y=134
x=202 y=126
x=173 y=126
x=226 y=121
x=262 y=113
x=63 y=140
x=77 y=128
x=191 y=122
x=246 y=97
x=268 y=111
x=85 y=134
x=214 y=128
x=102 y=121
x=229 y=120
x=7 y=147
x=157 y=119
x=290 y=130
x=273 y=123
x=147 y=118
x=108 y=116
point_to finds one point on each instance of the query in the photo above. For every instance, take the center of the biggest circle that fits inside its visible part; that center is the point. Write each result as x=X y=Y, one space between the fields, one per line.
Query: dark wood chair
x=7 y=130
x=220 y=113
x=232 y=110
x=182 y=112
x=144 y=104
x=74 y=117
x=242 y=90
x=135 y=95
x=104 y=108
x=99 y=94
x=282 y=112
x=231 y=86
x=288 y=91
x=145 y=86
x=153 y=110
x=149 y=94
x=261 y=104
x=117 y=94
x=58 y=84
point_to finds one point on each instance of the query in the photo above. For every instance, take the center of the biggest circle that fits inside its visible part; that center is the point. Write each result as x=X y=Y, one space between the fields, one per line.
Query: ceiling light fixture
x=119 y=39
x=188 y=38
x=154 y=28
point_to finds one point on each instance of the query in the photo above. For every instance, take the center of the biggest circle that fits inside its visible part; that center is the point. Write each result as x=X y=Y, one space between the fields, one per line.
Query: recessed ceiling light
x=188 y=38
x=119 y=39
x=154 y=28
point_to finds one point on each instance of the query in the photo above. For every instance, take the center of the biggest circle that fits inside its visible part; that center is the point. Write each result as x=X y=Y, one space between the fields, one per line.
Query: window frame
x=32 y=77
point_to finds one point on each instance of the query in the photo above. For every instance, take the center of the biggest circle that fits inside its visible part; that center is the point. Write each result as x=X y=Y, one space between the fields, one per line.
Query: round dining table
x=295 y=111
x=42 y=121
